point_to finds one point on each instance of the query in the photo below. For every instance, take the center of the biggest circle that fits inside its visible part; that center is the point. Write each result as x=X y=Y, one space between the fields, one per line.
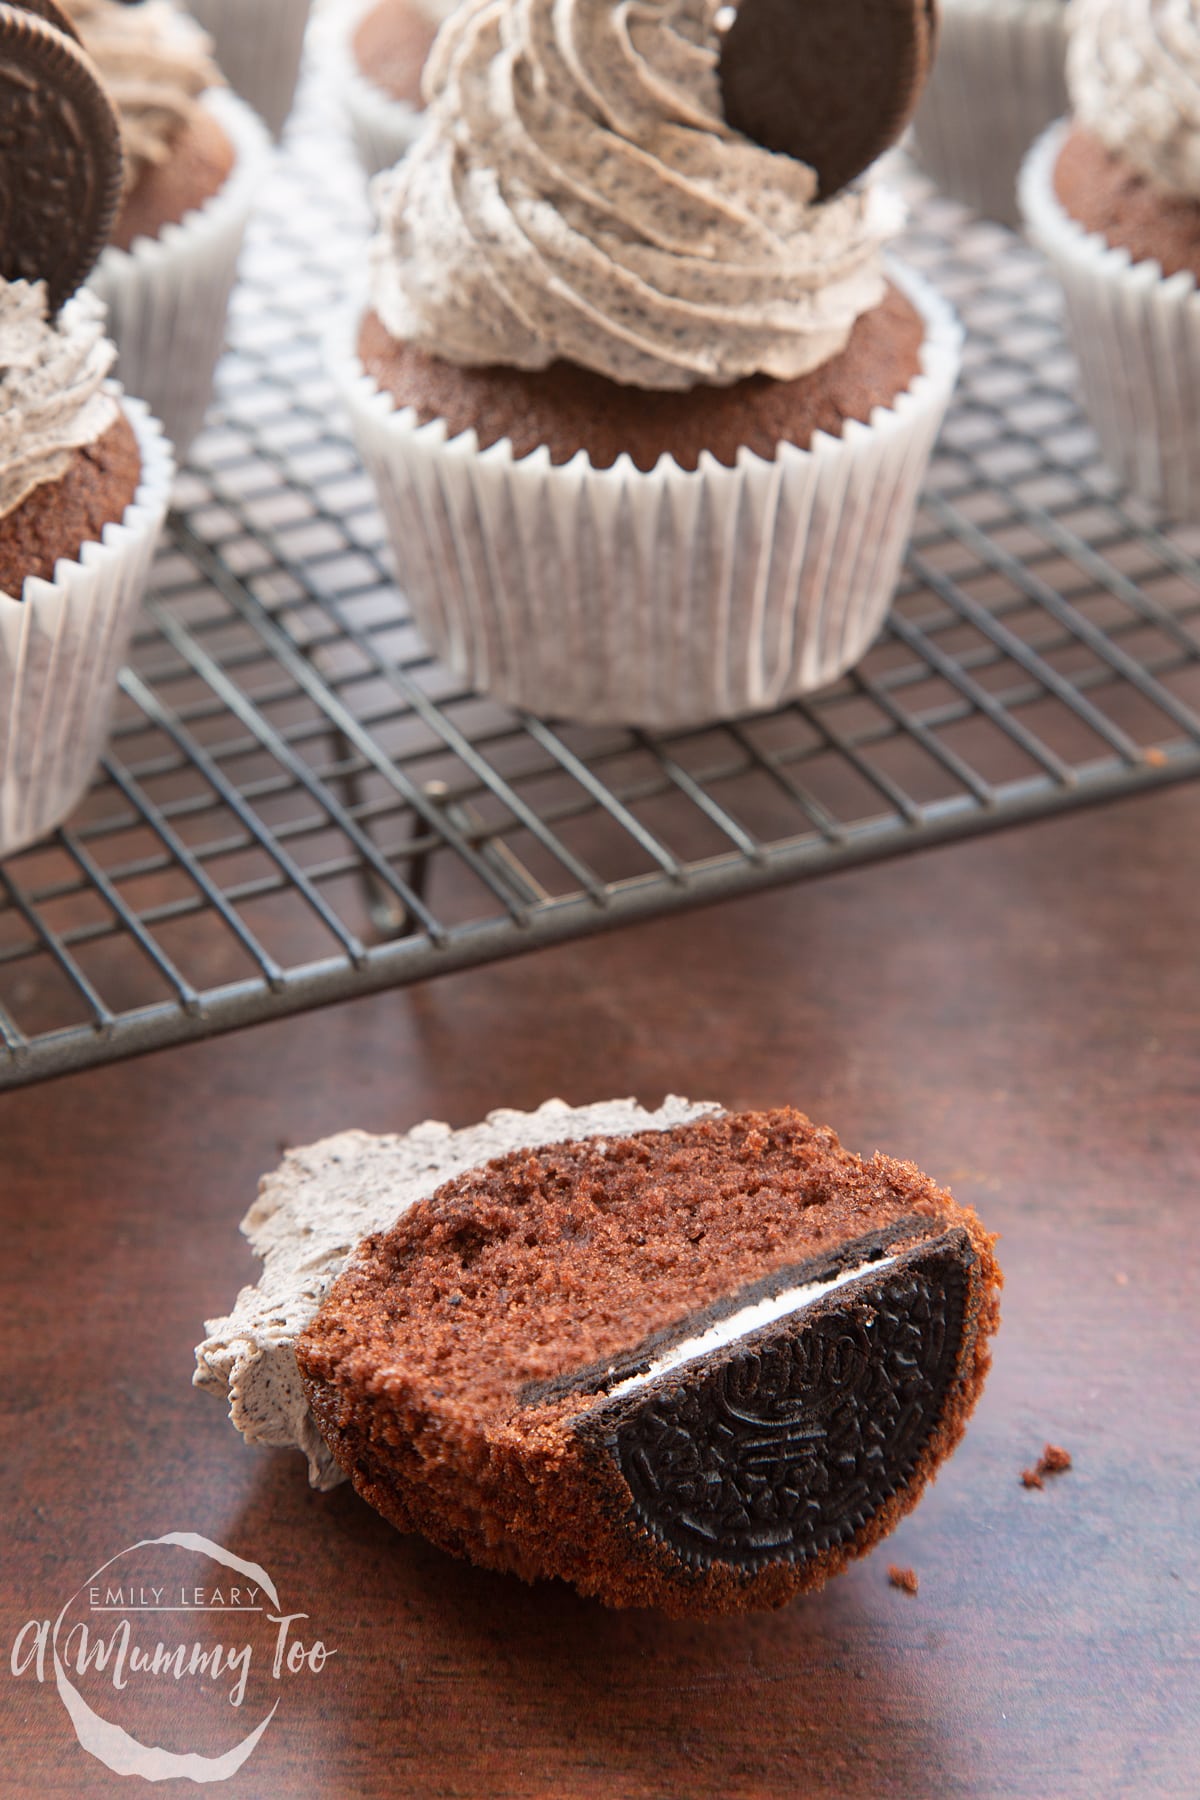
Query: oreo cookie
x=788 y=1442
x=60 y=155
x=833 y=83
x=698 y=1368
x=53 y=14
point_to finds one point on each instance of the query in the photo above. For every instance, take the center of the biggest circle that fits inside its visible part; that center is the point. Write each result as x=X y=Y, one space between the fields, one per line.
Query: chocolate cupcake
x=691 y=1359
x=1113 y=199
x=193 y=154
x=84 y=473
x=647 y=412
x=378 y=49
x=259 y=46
x=998 y=81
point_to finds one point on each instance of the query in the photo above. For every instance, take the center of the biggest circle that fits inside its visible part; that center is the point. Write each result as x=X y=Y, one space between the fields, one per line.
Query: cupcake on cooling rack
x=647 y=411
x=194 y=155
x=1113 y=198
x=689 y=1359
x=379 y=50
x=259 y=46
x=997 y=82
x=84 y=474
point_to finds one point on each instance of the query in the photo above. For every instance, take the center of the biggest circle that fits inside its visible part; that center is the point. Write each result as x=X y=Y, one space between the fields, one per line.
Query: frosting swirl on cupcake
x=52 y=395
x=154 y=63
x=1133 y=68
x=577 y=193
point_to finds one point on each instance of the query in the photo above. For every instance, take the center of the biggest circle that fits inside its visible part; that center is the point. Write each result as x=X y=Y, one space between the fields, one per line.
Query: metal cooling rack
x=299 y=806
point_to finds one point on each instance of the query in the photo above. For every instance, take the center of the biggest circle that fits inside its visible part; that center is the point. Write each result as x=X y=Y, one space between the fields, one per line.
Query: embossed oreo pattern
x=789 y=1444
x=60 y=157
x=50 y=10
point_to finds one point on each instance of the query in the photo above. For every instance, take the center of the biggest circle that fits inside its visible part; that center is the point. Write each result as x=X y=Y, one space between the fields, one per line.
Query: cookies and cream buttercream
x=1133 y=69
x=53 y=400
x=155 y=64
x=577 y=193
x=315 y=1210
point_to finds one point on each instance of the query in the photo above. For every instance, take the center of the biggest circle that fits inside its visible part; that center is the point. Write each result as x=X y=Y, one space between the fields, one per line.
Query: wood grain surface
x=1021 y=1016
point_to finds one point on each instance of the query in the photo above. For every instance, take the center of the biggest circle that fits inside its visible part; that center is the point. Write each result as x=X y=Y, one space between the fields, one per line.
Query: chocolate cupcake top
x=53 y=398
x=578 y=193
x=155 y=64
x=1133 y=69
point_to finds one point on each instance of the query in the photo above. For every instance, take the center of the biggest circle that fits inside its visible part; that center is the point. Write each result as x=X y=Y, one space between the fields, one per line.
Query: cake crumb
x=905 y=1579
x=1054 y=1460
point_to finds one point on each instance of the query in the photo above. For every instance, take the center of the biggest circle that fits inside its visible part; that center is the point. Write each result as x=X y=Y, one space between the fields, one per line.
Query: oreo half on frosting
x=699 y=1369
x=60 y=155
x=833 y=83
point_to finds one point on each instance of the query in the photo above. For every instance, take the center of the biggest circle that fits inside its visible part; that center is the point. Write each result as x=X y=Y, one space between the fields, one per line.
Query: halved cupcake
x=689 y=1359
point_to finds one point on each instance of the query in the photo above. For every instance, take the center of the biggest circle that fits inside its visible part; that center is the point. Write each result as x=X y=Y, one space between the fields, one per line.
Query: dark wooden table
x=1021 y=1016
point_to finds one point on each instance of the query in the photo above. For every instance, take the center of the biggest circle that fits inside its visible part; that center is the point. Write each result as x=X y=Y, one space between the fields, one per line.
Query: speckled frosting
x=155 y=64
x=1133 y=69
x=319 y=1205
x=52 y=395
x=577 y=194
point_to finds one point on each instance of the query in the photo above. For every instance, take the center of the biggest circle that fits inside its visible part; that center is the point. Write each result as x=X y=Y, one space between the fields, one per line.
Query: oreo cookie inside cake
x=697 y=1368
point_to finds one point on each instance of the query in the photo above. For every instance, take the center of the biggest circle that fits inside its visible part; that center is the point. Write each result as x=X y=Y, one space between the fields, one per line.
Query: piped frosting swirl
x=1133 y=69
x=576 y=193
x=52 y=395
x=155 y=64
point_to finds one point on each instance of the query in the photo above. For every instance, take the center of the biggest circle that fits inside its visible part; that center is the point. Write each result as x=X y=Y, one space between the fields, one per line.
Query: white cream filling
x=739 y=1324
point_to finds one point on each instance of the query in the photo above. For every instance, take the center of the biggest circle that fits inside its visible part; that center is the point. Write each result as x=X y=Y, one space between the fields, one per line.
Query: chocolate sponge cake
x=569 y=409
x=699 y=1367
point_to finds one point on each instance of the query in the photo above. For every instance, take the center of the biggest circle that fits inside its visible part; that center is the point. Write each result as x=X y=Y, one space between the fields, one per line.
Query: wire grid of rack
x=299 y=806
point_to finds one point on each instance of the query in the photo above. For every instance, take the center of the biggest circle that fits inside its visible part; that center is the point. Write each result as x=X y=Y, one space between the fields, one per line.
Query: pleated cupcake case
x=1136 y=337
x=259 y=48
x=382 y=128
x=62 y=644
x=998 y=81
x=667 y=598
x=168 y=296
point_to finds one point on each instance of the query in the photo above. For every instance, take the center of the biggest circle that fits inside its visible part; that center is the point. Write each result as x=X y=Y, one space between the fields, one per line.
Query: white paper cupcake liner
x=167 y=297
x=1136 y=337
x=61 y=645
x=381 y=127
x=259 y=47
x=667 y=598
x=998 y=81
